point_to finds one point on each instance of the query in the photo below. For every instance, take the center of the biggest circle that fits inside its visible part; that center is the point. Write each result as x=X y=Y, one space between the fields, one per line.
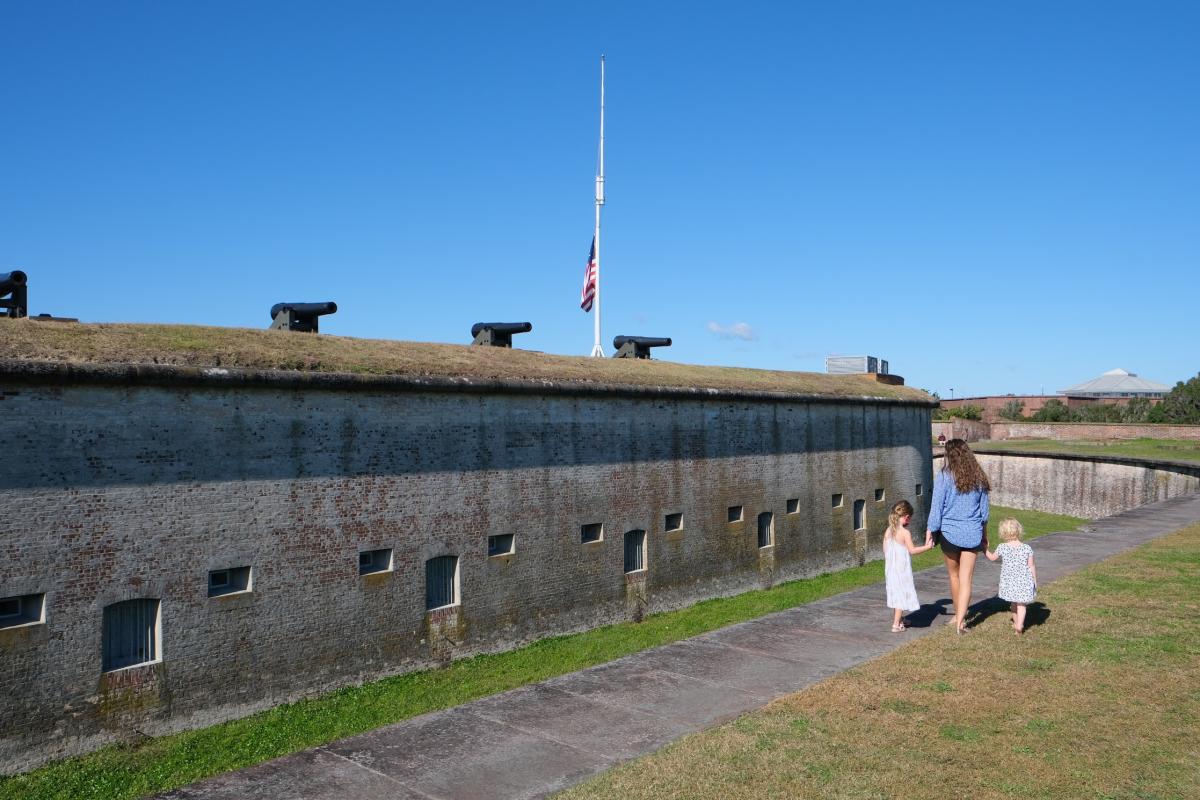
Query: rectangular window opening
x=919 y=489
x=766 y=529
x=879 y=495
x=372 y=561
x=228 y=581
x=500 y=545
x=735 y=513
x=635 y=551
x=593 y=532
x=441 y=582
x=793 y=505
x=673 y=522
x=837 y=501
x=860 y=514
x=22 y=609
x=130 y=634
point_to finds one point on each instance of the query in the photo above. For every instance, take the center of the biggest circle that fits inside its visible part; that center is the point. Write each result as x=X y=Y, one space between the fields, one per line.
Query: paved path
x=533 y=741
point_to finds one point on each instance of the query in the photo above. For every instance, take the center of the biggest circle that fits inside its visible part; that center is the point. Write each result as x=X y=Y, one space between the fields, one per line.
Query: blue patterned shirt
x=960 y=517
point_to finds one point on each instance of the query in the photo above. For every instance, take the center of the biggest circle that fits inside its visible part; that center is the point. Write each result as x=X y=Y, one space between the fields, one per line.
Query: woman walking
x=958 y=518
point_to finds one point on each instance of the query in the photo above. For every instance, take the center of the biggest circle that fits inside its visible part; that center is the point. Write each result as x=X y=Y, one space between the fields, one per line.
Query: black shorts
x=953 y=549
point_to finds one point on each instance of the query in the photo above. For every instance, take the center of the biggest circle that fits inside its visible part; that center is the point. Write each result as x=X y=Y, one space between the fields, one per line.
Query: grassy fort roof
x=24 y=342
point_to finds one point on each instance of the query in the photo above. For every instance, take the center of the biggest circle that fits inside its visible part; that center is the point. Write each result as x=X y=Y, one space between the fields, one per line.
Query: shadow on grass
x=1035 y=614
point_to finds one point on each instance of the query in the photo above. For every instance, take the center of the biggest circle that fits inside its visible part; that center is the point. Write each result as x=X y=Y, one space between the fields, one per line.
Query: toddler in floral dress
x=1018 y=575
x=898 y=550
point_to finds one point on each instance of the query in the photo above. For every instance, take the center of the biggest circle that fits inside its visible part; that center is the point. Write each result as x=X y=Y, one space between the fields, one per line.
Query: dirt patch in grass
x=1100 y=700
x=244 y=348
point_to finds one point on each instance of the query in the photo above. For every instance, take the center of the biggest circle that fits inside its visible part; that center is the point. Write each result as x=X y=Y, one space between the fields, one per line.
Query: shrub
x=1181 y=405
x=1012 y=410
x=1053 y=411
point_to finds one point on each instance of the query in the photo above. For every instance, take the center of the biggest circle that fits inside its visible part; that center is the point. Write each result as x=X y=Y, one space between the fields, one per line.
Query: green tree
x=1012 y=410
x=1182 y=404
x=1136 y=410
x=1053 y=411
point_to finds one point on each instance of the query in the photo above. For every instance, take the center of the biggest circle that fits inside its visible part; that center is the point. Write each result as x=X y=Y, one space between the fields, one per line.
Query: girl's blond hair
x=1010 y=530
x=900 y=509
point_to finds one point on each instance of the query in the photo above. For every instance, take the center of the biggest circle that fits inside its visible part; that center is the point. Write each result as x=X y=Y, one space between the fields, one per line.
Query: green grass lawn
x=1099 y=699
x=1170 y=449
x=167 y=762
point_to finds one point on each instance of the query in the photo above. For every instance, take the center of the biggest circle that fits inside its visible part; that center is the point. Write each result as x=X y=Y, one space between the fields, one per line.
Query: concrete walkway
x=533 y=741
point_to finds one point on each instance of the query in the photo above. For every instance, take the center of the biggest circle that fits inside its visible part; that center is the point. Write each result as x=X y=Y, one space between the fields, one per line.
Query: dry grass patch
x=245 y=348
x=1100 y=700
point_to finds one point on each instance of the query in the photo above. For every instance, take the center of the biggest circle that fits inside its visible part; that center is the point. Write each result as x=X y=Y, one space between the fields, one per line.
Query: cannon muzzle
x=638 y=346
x=497 y=334
x=12 y=280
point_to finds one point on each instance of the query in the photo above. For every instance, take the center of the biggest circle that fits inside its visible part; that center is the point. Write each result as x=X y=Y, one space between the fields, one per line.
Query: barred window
x=441 y=582
x=130 y=633
x=635 y=551
x=766 y=529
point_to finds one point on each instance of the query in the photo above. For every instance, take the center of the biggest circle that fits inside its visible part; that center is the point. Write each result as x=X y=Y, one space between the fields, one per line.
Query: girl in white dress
x=898 y=550
x=1018 y=575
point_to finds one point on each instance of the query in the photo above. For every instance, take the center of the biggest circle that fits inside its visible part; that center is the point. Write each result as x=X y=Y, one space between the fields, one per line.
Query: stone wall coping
x=1094 y=424
x=61 y=373
x=1192 y=467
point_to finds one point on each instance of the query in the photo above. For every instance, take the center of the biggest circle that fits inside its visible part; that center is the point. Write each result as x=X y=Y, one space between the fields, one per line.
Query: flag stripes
x=590 y=275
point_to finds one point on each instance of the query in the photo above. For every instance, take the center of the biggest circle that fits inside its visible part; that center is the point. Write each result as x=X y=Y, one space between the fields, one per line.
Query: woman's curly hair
x=962 y=466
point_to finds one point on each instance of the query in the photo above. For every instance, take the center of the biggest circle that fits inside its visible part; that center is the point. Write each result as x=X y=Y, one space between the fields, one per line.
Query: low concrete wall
x=1082 y=486
x=968 y=429
x=1086 y=431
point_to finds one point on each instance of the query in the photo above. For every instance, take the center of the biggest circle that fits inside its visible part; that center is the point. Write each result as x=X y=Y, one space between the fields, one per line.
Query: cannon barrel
x=304 y=309
x=12 y=280
x=508 y=328
x=643 y=341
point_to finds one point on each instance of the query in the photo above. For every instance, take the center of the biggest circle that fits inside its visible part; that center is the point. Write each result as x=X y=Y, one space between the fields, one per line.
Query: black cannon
x=14 y=294
x=638 y=346
x=498 y=334
x=299 y=316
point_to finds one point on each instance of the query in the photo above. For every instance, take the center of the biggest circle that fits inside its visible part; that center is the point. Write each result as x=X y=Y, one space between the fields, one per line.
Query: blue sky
x=993 y=196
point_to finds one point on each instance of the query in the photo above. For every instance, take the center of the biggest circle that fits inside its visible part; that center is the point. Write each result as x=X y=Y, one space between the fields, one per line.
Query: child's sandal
x=899 y=628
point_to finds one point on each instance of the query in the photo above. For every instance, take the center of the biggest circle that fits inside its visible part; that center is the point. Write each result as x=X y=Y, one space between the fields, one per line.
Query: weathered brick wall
x=1082 y=486
x=969 y=430
x=1090 y=431
x=113 y=492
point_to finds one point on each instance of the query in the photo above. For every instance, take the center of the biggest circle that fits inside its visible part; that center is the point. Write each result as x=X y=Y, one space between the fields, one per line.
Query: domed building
x=1117 y=383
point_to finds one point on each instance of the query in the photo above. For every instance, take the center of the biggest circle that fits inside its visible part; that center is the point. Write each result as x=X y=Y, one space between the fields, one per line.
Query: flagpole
x=597 y=349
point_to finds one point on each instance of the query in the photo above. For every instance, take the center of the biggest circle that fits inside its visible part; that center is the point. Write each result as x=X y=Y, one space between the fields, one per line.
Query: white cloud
x=738 y=330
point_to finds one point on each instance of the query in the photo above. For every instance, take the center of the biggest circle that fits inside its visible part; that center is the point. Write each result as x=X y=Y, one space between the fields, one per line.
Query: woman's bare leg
x=962 y=598
x=952 y=569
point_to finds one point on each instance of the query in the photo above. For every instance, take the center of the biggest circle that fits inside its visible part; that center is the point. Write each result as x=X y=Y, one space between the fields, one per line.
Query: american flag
x=588 y=296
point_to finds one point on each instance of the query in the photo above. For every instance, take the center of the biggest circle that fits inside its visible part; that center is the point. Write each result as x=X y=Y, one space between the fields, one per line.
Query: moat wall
x=137 y=486
x=1082 y=486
